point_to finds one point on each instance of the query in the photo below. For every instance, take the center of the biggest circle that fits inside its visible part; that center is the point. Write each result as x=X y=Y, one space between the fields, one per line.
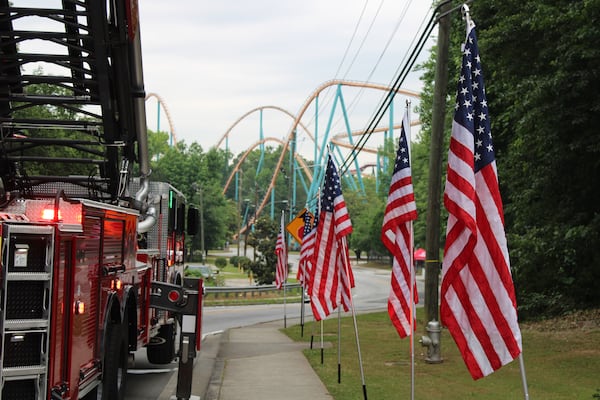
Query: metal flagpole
x=302 y=305
x=285 y=244
x=312 y=333
x=284 y=303
x=412 y=275
x=340 y=326
x=360 y=362
x=302 y=310
x=412 y=313
x=339 y=344
x=523 y=377
x=321 y=342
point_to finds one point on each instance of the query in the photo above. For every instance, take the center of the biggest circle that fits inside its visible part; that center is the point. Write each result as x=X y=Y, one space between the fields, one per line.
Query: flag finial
x=467 y=17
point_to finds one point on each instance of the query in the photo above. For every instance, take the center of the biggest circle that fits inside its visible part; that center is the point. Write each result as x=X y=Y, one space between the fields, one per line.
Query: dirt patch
x=582 y=320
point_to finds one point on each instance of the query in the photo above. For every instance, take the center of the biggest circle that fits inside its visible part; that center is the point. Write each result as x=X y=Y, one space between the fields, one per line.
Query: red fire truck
x=90 y=258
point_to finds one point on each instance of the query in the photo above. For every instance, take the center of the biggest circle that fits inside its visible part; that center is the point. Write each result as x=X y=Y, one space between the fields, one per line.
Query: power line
x=352 y=38
x=387 y=99
x=389 y=41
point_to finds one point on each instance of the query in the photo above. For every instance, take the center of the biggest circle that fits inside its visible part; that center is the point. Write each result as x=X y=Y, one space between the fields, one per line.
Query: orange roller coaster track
x=237 y=166
x=303 y=109
x=164 y=105
x=296 y=123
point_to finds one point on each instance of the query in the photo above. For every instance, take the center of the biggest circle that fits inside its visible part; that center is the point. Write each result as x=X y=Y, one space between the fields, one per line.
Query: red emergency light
x=67 y=213
x=48 y=214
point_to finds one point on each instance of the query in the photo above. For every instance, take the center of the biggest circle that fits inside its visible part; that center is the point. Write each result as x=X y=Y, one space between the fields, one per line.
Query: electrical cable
x=364 y=39
x=387 y=99
x=389 y=41
x=352 y=38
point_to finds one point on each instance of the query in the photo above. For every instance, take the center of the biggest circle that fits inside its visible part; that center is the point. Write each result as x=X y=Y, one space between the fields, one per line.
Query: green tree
x=542 y=86
x=158 y=144
x=191 y=170
x=265 y=238
x=366 y=213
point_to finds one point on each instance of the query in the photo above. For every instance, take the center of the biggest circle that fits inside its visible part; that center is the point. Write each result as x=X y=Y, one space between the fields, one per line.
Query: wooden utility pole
x=432 y=245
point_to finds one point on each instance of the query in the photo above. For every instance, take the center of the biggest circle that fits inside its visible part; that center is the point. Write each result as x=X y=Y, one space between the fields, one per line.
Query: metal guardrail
x=245 y=290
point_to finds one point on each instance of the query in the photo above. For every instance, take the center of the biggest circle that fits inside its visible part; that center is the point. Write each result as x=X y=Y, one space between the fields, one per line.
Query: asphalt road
x=146 y=381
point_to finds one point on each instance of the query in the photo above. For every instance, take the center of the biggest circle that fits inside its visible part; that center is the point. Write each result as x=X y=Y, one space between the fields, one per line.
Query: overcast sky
x=213 y=61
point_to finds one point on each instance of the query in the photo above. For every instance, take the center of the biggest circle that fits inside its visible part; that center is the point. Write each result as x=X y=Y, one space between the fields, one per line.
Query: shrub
x=221 y=262
x=242 y=261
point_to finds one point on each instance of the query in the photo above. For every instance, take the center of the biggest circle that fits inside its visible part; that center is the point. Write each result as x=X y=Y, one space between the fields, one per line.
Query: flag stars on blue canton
x=307 y=227
x=402 y=157
x=471 y=105
x=332 y=188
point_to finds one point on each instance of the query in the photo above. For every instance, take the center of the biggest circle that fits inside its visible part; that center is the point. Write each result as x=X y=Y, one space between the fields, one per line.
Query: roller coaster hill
x=91 y=259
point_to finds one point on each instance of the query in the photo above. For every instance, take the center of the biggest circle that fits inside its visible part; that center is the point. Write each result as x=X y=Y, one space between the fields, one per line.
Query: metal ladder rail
x=25 y=314
x=86 y=48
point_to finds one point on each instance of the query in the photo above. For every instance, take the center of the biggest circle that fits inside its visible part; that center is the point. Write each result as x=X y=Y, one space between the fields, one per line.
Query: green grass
x=562 y=362
x=233 y=272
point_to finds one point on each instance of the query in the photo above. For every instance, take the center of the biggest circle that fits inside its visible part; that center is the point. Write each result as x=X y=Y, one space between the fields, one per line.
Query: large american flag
x=307 y=250
x=396 y=235
x=332 y=275
x=477 y=296
x=281 y=270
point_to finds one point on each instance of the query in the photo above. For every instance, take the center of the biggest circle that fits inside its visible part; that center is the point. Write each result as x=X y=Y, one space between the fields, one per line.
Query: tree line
x=542 y=67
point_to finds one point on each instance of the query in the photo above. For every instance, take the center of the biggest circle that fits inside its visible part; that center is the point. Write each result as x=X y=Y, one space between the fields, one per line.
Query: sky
x=212 y=62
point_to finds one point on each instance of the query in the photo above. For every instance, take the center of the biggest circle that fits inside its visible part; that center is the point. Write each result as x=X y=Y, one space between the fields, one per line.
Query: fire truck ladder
x=67 y=101
x=25 y=317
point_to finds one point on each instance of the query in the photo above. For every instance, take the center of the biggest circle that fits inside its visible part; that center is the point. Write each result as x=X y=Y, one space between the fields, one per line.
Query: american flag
x=477 y=296
x=281 y=270
x=307 y=250
x=396 y=235
x=332 y=262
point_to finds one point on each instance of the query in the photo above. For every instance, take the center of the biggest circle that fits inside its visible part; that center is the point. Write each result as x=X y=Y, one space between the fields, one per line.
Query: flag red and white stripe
x=331 y=252
x=281 y=270
x=397 y=236
x=477 y=296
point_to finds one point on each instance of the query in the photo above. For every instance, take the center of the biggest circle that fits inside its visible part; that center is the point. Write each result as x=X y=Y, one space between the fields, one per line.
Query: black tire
x=114 y=372
x=161 y=349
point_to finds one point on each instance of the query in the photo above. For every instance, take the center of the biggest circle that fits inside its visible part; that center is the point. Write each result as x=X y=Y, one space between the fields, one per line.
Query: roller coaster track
x=240 y=119
x=251 y=148
x=169 y=119
x=296 y=122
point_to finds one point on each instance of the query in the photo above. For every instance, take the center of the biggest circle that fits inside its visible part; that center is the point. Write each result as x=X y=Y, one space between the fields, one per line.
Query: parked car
x=202 y=271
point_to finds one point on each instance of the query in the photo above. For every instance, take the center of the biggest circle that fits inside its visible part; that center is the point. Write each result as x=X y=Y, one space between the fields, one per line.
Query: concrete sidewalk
x=252 y=363
x=259 y=362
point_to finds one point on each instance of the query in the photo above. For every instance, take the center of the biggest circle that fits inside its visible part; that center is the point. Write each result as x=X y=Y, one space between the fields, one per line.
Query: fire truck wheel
x=115 y=363
x=161 y=349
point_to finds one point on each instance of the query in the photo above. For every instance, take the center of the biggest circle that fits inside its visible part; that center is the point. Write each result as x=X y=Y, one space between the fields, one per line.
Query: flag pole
x=312 y=333
x=412 y=274
x=339 y=344
x=284 y=303
x=301 y=306
x=360 y=362
x=412 y=312
x=322 y=342
x=285 y=271
x=523 y=377
x=339 y=371
x=301 y=311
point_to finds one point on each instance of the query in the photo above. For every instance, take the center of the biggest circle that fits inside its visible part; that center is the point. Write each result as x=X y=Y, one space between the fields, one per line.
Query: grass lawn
x=562 y=361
